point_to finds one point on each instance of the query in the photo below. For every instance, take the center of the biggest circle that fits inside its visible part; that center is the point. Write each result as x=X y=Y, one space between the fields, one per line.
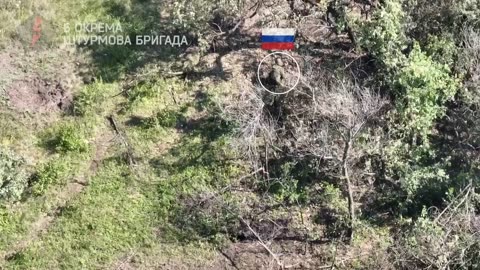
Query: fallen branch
x=265 y=246
x=466 y=189
x=242 y=19
x=123 y=138
x=232 y=262
x=262 y=243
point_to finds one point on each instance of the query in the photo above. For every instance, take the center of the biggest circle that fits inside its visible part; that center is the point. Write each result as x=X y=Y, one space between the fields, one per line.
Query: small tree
x=346 y=108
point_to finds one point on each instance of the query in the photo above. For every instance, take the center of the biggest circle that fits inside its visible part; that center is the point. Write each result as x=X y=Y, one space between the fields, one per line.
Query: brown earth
x=40 y=81
x=38 y=95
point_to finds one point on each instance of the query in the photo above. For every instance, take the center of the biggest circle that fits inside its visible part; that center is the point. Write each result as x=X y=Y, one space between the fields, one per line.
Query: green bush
x=422 y=83
x=147 y=90
x=69 y=139
x=165 y=118
x=443 y=17
x=424 y=86
x=442 y=49
x=384 y=36
x=13 y=178
x=91 y=96
x=333 y=199
x=422 y=80
x=421 y=174
x=194 y=16
x=48 y=174
x=334 y=210
x=287 y=188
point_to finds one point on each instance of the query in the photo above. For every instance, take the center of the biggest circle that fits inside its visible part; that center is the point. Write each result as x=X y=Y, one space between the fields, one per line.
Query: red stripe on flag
x=278 y=45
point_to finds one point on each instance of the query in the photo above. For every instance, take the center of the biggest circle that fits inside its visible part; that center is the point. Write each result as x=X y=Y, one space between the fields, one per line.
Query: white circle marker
x=260 y=65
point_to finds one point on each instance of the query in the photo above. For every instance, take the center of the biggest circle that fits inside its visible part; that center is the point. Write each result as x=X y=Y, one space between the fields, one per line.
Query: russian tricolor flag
x=278 y=39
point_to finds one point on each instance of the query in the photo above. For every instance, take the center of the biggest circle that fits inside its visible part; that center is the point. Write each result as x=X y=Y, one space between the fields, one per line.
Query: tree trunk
x=346 y=175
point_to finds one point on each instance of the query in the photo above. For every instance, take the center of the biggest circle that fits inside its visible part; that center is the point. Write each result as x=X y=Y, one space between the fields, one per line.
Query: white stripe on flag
x=278 y=32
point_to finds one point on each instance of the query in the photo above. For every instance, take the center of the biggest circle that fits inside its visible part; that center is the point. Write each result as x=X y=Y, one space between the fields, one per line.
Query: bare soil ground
x=37 y=95
x=248 y=255
x=38 y=81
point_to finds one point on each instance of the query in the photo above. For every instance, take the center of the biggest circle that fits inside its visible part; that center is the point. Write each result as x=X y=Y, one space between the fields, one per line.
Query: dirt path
x=103 y=141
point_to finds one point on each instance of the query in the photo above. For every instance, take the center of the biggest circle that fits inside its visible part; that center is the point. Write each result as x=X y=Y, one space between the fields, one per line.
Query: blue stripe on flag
x=278 y=38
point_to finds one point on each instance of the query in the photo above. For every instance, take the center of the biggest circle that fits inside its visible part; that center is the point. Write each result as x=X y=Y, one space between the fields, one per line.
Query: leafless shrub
x=344 y=107
x=446 y=240
x=347 y=108
x=469 y=63
x=320 y=120
x=255 y=128
x=461 y=128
